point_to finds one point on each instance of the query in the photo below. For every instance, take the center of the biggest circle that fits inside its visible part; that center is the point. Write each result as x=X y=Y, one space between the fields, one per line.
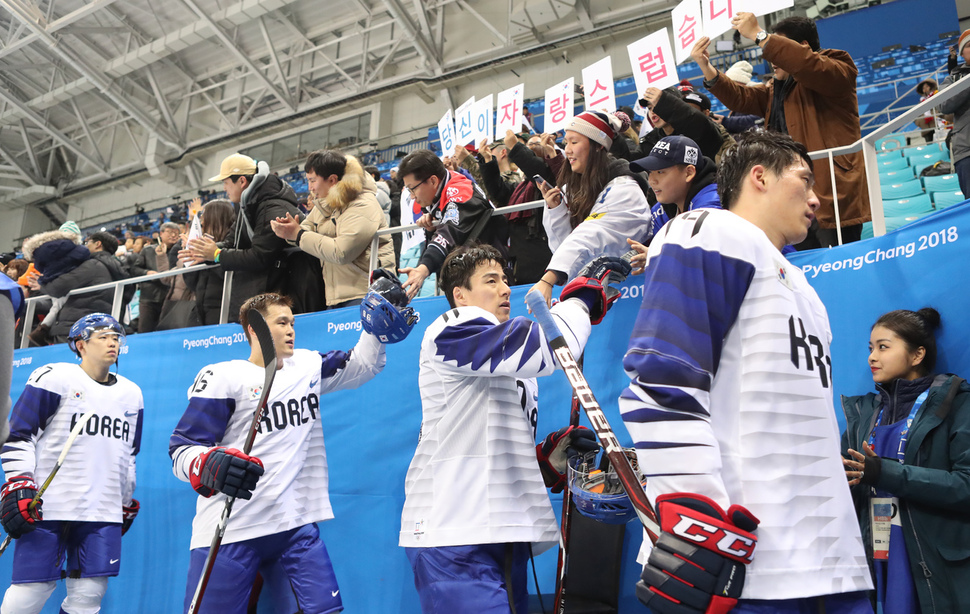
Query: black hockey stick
x=266 y=345
x=81 y=423
x=566 y=523
x=619 y=460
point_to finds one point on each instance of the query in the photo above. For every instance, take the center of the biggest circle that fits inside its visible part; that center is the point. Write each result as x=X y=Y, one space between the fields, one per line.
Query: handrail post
x=226 y=296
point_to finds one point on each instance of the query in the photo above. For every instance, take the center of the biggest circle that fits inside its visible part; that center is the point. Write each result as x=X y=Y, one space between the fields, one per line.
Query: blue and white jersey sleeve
x=347 y=370
x=692 y=297
x=29 y=418
x=621 y=211
x=212 y=402
x=469 y=341
x=128 y=492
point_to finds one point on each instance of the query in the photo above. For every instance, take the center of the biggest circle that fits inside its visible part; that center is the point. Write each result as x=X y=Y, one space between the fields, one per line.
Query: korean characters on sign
x=482 y=120
x=688 y=28
x=652 y=60
x=463 y=124
x=446 y=133
x=508 y=110
x=559 y=105
x=598 y=86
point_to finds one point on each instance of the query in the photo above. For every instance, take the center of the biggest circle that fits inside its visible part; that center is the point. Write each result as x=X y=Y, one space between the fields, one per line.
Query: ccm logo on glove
x=715 y=538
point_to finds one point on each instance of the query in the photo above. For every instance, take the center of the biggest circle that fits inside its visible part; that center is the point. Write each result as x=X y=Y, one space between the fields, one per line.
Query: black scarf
x=776 y=120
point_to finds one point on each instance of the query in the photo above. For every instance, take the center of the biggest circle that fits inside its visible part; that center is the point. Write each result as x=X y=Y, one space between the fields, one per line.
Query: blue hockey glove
x=15 y=513
x=697 y=565
x=225 y=470
x=555 y=450
x=592 y=285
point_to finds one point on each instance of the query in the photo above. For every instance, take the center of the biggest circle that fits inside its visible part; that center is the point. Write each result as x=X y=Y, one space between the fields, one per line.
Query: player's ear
x=759 y=176
x=458 y=294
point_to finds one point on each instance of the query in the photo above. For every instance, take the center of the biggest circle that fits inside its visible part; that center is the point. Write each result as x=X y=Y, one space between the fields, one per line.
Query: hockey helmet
x=91 y=323
x=384 y=311
x=598 y=493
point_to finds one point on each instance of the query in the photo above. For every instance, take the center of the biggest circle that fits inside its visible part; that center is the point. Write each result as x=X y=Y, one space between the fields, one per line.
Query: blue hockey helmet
x=599 y=494
x=92 y=323
x=384 y=311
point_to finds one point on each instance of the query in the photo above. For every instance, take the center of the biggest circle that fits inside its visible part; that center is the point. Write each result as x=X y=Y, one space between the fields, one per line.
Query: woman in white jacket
x=599 y=203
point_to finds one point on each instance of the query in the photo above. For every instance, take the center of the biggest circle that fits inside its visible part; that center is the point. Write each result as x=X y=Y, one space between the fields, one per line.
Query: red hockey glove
x=128 y=513
x=15 y=513
x=557 y=447
x=225 y=470
x=592 y=285
x=697 y=565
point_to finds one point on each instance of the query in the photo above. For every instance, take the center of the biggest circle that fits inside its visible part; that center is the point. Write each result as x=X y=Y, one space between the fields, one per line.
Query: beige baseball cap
x=236 y=164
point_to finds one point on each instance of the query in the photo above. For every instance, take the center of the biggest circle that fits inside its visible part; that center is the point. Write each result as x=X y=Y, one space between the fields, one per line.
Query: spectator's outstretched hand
x=548 y=144
x=640 y=260
x=510 y=139
x=460 y=154
x=286 y=227
x=702 y=55
x=426 y=222
x=746 y=24
x=544 y=288
x=416 y=276
x=485 y=152
x=199 y=250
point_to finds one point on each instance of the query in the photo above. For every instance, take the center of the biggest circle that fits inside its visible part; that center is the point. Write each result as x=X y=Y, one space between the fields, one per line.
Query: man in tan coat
x=341 y=226
x=813 y=99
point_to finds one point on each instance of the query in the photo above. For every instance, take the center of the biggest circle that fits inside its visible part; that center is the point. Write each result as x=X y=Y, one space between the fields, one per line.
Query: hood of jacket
x=621 y=168
x=266 y=186
x=31 y=244
x=354 y=184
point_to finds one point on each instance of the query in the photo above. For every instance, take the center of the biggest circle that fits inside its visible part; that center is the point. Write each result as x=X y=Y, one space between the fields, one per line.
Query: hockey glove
x=225 y=470
x=128 y=513
x=697 y=565
x=15 y=513
x=592 y=285
x=557 y=448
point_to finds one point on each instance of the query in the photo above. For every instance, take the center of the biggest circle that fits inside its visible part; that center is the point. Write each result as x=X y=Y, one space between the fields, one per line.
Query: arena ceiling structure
x=93 y=91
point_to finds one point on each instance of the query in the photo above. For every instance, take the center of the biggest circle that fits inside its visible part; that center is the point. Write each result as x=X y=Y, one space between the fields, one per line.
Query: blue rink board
x=371 y=432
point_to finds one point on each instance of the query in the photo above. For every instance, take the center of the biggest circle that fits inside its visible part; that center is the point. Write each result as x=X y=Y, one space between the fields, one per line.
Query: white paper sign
x=508 y=110
x=652 y=60
x=559 y=105
x=446 y=133
x=598 y=86
x=482 y=120
x=717 y=16
x=763 y=7
x=195 y=232
x=688 y=28
x=409 y=238
x=463 y=124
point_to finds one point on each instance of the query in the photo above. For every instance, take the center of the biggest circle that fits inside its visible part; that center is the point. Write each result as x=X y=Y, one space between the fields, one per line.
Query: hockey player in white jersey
x=730 y=405
x=282 y=486
x=475 y=498
x=89 y=505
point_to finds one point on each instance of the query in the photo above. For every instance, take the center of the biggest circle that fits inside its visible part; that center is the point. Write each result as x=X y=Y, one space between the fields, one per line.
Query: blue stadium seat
x=905 y=189
x=893 y=164
x=922 y=157
x=889 y=154
x=905 y=207
x=930 y=148
x=941 y=183
x=946 y=199
x=867 y=230
x=899 y=176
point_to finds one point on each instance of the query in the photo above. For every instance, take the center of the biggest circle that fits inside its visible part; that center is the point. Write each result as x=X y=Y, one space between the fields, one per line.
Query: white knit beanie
x=740 y=72
x=597 y=126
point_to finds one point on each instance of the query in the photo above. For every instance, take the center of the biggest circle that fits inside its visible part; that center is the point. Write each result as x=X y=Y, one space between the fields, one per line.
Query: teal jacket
x=933 y=488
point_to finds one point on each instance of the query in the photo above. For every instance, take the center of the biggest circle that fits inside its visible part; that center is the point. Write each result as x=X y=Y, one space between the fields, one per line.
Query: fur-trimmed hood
x=31 y=244
x=354 y=184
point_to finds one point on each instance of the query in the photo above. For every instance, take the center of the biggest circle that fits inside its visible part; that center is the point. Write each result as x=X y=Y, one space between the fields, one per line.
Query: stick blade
x=265 y=338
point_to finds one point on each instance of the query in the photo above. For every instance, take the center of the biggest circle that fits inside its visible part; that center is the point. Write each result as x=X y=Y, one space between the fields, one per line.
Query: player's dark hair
x=261 y=303
x=460 y=265
x=217 y=218
x=326 y=162
x=772 y=150
x=108 y=241
x=800 y=30
x=583 y=189
x=422 y=163
x=917 y=330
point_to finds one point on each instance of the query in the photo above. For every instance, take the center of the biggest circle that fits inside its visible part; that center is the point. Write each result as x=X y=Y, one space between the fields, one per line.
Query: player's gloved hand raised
x=557 y=448
x=15 y=513
x=128 y=513
x=592 y=285
x=698 y=563
x=225 y=470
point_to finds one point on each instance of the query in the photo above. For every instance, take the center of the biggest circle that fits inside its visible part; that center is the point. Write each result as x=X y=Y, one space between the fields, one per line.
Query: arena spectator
x=16 y=268
x=65 y=265
x=153 y=293
x=466 y=157
x=626 y=145
x=396 y=187
x=383 y=191
x=599 y=203
x=736 y=123
x=959 y=106
x=670 y=114
x=812 y=98
x=339 y=230
x=907 y=451
x=455 y=212
x=217 y=221
x=256 y=255
x=934 y=125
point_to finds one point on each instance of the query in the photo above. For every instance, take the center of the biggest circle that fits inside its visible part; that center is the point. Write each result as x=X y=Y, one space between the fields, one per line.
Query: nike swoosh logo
x=314 y=383
x=113 y=561
x=334 y=593
x=130 y=414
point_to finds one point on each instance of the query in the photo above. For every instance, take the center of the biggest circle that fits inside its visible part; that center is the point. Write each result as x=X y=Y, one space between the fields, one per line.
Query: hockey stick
x=57 y=466
x=564 y=527
x=619 y=460
x=265 y=338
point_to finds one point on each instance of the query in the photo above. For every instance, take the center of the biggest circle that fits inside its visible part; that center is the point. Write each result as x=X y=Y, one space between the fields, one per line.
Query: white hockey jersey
x=474 y=478
x=731 y=397
x=294 y=489
x=620 y=211
x=98 y=474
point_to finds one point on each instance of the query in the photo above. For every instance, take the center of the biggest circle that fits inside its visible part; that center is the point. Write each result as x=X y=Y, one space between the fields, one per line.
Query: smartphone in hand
x=538 y=180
